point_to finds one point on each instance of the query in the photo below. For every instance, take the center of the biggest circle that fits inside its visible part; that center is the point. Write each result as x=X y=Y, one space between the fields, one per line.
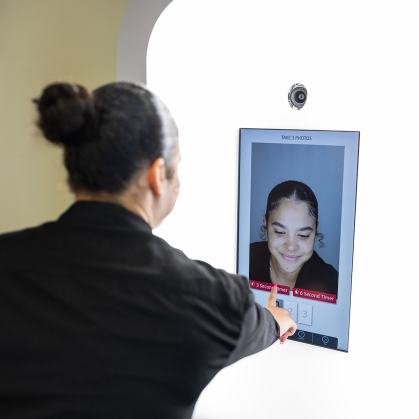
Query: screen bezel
x=241 y=130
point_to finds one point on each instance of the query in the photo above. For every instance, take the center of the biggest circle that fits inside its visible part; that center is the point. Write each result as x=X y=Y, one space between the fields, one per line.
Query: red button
x=315 y=295
x=264 y=286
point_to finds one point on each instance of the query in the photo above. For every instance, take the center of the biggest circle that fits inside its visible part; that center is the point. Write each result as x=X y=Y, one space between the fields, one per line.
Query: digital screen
x=296 y=221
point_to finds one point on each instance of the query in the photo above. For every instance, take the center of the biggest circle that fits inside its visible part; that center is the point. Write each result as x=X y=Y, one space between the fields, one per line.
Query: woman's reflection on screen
x=288 y=257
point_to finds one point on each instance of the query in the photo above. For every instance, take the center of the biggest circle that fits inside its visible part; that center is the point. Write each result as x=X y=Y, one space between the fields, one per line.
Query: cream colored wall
x=42 y=41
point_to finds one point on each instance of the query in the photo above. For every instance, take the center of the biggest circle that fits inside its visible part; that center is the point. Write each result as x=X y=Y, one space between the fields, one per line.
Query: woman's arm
x=261 y=327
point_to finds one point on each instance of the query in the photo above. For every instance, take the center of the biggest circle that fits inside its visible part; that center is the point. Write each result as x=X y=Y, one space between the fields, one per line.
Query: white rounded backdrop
x=225 y=64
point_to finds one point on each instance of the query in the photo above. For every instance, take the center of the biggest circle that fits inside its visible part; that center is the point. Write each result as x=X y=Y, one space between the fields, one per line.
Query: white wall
x=224 y=64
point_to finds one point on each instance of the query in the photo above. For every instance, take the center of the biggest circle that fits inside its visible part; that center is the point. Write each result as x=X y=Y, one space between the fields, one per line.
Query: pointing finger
x=272 y=296
x=284 y=337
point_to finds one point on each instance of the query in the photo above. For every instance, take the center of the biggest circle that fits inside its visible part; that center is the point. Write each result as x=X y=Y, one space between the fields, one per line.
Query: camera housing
x=297 y=96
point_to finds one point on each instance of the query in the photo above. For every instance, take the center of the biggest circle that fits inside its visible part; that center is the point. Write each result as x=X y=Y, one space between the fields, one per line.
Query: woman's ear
x=265 y=226
x=317 y=231
x=157 y=175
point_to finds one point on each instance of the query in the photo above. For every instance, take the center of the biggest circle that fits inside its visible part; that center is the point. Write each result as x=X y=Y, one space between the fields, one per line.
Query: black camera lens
x=297 y=96
x=300 y=96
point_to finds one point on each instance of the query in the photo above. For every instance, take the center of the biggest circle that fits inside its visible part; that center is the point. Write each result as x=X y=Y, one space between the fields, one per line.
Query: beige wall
x=42 y=41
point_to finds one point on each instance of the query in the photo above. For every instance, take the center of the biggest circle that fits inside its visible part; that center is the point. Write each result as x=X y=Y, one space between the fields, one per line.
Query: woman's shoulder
x=258 y=249
x=21 y=244
x=317 y=275
x=320 y=264
x=259 y=262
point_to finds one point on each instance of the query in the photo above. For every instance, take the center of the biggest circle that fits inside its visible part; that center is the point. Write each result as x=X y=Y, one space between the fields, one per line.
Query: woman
x=288 y=256
x=99 y=317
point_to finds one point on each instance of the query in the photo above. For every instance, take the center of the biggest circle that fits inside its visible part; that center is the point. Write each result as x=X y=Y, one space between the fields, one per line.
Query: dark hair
x=296 y=191
x=108 y=135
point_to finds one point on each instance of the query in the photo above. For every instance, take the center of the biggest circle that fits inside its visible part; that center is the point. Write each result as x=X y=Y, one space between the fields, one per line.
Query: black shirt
x=315 y=274
x=99 y=318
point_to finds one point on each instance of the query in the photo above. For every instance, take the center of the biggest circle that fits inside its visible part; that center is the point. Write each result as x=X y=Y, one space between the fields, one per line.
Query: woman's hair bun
x=67 y=114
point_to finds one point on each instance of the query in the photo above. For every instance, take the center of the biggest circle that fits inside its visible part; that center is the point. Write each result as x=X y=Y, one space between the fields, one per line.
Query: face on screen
x=291 y=235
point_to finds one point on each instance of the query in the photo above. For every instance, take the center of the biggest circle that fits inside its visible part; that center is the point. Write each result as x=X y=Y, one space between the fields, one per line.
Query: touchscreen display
x=296 y=219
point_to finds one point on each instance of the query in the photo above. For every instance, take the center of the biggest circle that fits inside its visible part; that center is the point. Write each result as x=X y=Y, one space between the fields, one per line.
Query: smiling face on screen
x=291 y=232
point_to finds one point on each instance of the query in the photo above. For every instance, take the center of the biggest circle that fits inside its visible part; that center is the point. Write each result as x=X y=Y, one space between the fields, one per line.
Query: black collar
x=104 y=214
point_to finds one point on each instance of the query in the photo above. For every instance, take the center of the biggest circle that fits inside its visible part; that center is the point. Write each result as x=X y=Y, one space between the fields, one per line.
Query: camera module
x=297 y=96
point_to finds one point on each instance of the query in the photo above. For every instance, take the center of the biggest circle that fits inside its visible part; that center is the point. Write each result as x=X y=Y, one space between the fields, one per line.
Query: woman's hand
x=287 y=326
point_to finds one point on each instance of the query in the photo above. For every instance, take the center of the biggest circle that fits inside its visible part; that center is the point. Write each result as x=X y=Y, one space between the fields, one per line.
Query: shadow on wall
x=139 y=21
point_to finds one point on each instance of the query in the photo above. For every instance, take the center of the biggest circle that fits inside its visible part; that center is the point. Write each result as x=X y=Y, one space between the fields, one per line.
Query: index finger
x=283 y=338
x=272 y=296
x=289 y=332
